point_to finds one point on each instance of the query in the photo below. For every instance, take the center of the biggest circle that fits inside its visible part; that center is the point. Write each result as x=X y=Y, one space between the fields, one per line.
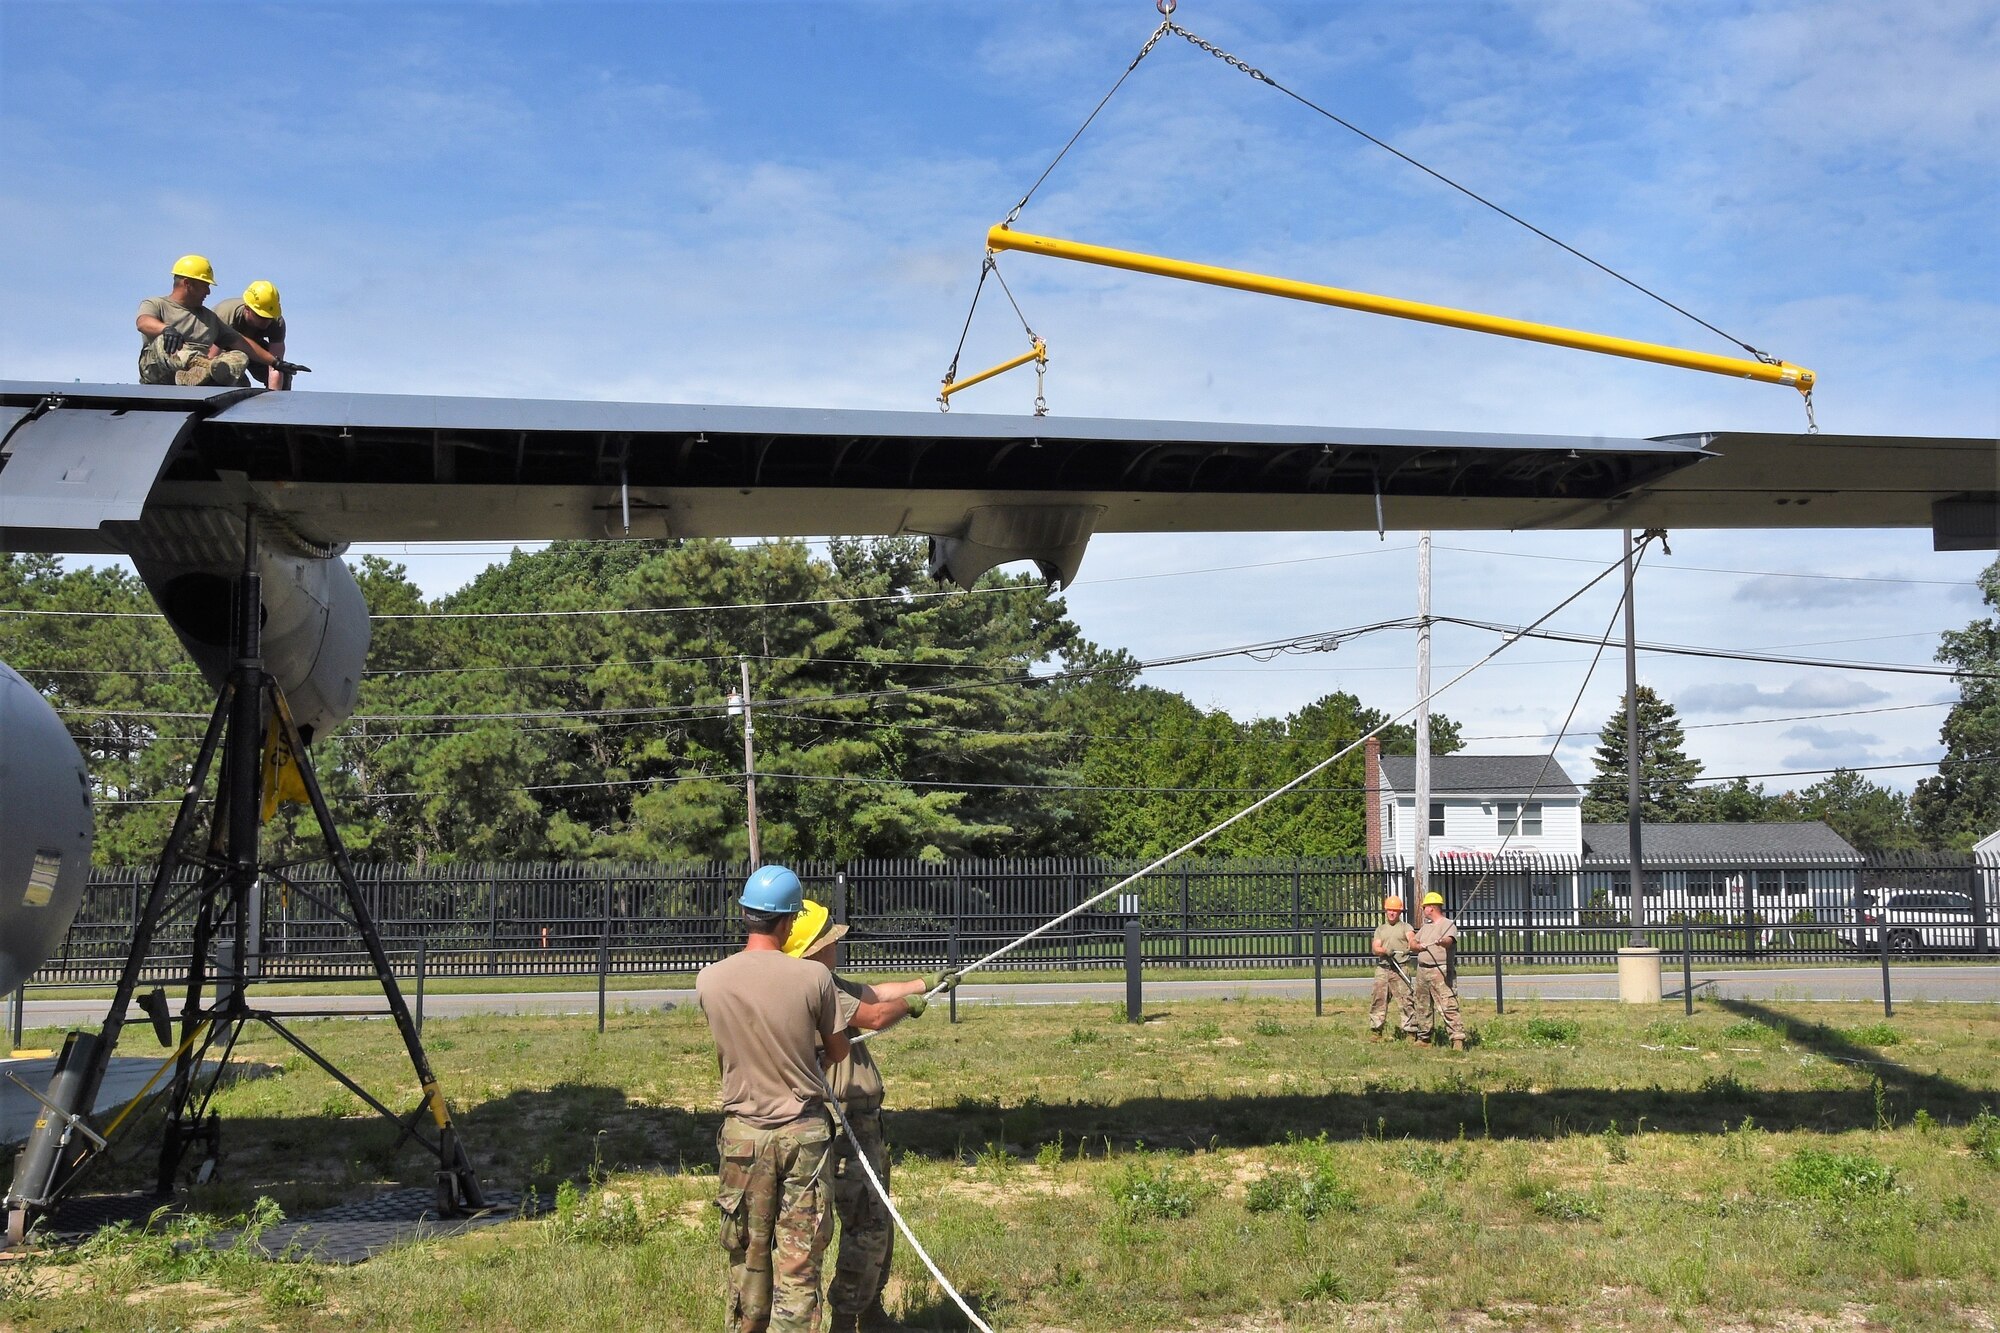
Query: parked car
x=1916 y=921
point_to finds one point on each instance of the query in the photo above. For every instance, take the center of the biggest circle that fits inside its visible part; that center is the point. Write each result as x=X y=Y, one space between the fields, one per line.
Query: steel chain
x=1221 y=54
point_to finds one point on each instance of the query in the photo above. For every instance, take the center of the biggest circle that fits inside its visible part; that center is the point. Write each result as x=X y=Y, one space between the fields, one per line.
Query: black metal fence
x=555 y=919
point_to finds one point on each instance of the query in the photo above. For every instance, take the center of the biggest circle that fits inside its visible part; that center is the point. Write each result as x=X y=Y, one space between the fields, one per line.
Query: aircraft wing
x=377 y=467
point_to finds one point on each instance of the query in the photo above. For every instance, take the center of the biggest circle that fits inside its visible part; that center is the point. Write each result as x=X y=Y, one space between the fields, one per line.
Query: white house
x=1481 y=805
x=1988 y=846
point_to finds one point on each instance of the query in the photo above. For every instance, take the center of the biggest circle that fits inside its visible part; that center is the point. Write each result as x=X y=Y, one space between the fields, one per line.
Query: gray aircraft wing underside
x=376 y=467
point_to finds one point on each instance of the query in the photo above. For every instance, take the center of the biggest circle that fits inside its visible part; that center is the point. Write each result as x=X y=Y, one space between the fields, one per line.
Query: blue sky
x=784 y=204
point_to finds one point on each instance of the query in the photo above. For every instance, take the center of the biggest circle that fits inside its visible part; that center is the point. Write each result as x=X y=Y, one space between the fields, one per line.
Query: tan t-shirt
x=235 y=314
x=855 y=1080
x=1395 y=937
x=201 y=326
x=768 y=1013
x=1430 y=941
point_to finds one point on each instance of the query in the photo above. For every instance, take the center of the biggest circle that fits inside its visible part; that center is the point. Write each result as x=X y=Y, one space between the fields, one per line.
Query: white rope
x=882 y=1193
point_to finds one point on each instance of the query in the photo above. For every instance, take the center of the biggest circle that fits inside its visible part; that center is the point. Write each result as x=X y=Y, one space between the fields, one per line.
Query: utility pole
x=1638 y=962
x=1420 y=846
x=1634 y=797
x=739 y=704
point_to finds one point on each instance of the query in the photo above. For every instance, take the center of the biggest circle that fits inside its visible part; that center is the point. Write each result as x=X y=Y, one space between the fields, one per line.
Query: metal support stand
x=1134 y=1010
x=1319 y=957
x=225 y=961
x=1882 y=935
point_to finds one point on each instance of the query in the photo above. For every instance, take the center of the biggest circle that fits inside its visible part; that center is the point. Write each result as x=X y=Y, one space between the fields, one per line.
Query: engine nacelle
x=45 y=829
x=315 y=632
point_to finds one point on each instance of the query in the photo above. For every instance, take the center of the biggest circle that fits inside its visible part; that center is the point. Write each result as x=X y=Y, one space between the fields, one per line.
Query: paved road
x=1977 y=983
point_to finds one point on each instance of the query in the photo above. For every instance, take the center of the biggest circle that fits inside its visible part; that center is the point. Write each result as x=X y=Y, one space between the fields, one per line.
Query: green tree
x=1872 y=818
x=1961 y=804
x=1666 y=772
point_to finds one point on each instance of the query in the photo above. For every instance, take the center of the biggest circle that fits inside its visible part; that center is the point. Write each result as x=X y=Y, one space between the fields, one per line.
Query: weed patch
x=1872 y=1034
x=1164 y=1193
x=1552 y=1031
x=1834 y=1177
x=1311 y=1192
x=1558 y=1204
x=1983 y=1137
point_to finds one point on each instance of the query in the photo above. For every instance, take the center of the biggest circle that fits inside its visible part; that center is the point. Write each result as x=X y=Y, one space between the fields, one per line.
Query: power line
x=1690 y=650
x=1711 y=569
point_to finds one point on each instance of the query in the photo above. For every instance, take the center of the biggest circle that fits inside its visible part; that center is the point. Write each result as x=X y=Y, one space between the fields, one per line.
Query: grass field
x=1223 y=1166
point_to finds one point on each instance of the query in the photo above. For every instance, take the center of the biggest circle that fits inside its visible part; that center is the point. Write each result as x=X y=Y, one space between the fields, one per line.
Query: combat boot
x=194 y=372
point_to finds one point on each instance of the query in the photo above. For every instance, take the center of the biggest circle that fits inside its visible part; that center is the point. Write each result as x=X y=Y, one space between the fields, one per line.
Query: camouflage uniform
x=867 y=1235
x=199 y=359
x=775 y=1223
x=1391 y=983
x=1437 y=981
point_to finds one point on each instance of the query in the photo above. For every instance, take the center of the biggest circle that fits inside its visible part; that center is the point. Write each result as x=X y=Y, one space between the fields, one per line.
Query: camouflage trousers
x=1390 y=986
x=867 y=1235
x=1437 y=998
x=775 y=1222
x=191 y=365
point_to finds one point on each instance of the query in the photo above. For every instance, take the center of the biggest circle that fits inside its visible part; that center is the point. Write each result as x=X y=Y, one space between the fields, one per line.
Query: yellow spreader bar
x=1036 y=353
x=1002 y=238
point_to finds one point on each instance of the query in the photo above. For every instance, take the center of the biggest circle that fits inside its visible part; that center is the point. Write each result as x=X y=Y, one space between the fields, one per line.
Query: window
x=1437 y=819
x=1703 y=884
x=1769 y=882
x=1521 y=820
x=1795 y=883
x=1389 y=823
x=1543 y=886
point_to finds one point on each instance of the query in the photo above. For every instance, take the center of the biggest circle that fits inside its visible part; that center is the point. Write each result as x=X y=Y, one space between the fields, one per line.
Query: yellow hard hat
x=262 y=298
x=1434 y=900
x=1392 y=904
x=196 y=267
x=806 y=927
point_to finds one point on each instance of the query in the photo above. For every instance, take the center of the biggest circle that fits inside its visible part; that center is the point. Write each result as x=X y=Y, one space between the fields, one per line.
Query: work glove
x=171 y=341
x=917 y=1005
x=943 y=983
x=290 y=368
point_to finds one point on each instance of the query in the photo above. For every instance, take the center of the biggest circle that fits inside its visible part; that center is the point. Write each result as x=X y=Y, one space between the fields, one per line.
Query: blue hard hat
x=773 y=889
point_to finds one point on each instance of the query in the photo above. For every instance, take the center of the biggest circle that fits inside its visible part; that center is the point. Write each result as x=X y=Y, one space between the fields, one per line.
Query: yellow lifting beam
x=1003 y=238
x=1039 y=352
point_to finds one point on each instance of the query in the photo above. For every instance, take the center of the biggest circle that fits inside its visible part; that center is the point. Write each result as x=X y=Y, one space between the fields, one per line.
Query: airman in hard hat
x=1434 y=948
x=259 y=316
x=777 y=1027
x=867 y=1233
x=1391 y=947
x=184 y=342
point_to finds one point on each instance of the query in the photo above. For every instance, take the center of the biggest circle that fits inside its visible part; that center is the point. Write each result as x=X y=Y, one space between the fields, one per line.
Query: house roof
x=1480 y=775
x=1747 y=844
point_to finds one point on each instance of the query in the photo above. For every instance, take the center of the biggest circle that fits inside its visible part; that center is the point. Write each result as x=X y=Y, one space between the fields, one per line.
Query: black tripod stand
x=226 y=899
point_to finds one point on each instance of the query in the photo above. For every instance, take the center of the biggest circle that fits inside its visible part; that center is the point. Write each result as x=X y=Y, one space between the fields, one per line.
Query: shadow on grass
x=1923 y=1089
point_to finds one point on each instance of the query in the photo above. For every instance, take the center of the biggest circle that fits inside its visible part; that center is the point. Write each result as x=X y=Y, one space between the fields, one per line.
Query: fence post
x=951 y=962
x=20 y=1013
x=1299 y=943
x=1687 y=966
x=603 y=960
x=1882 y=935
x=1319 y=954
x=1133 y=1012
x=1184 y=916
x=423 y=966
x=493 y=926
x=1750 y=911
x=1499 y=972
x=1982 y=874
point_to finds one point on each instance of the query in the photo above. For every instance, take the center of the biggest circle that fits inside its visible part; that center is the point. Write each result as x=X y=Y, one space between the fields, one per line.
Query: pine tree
x=1666 y=773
